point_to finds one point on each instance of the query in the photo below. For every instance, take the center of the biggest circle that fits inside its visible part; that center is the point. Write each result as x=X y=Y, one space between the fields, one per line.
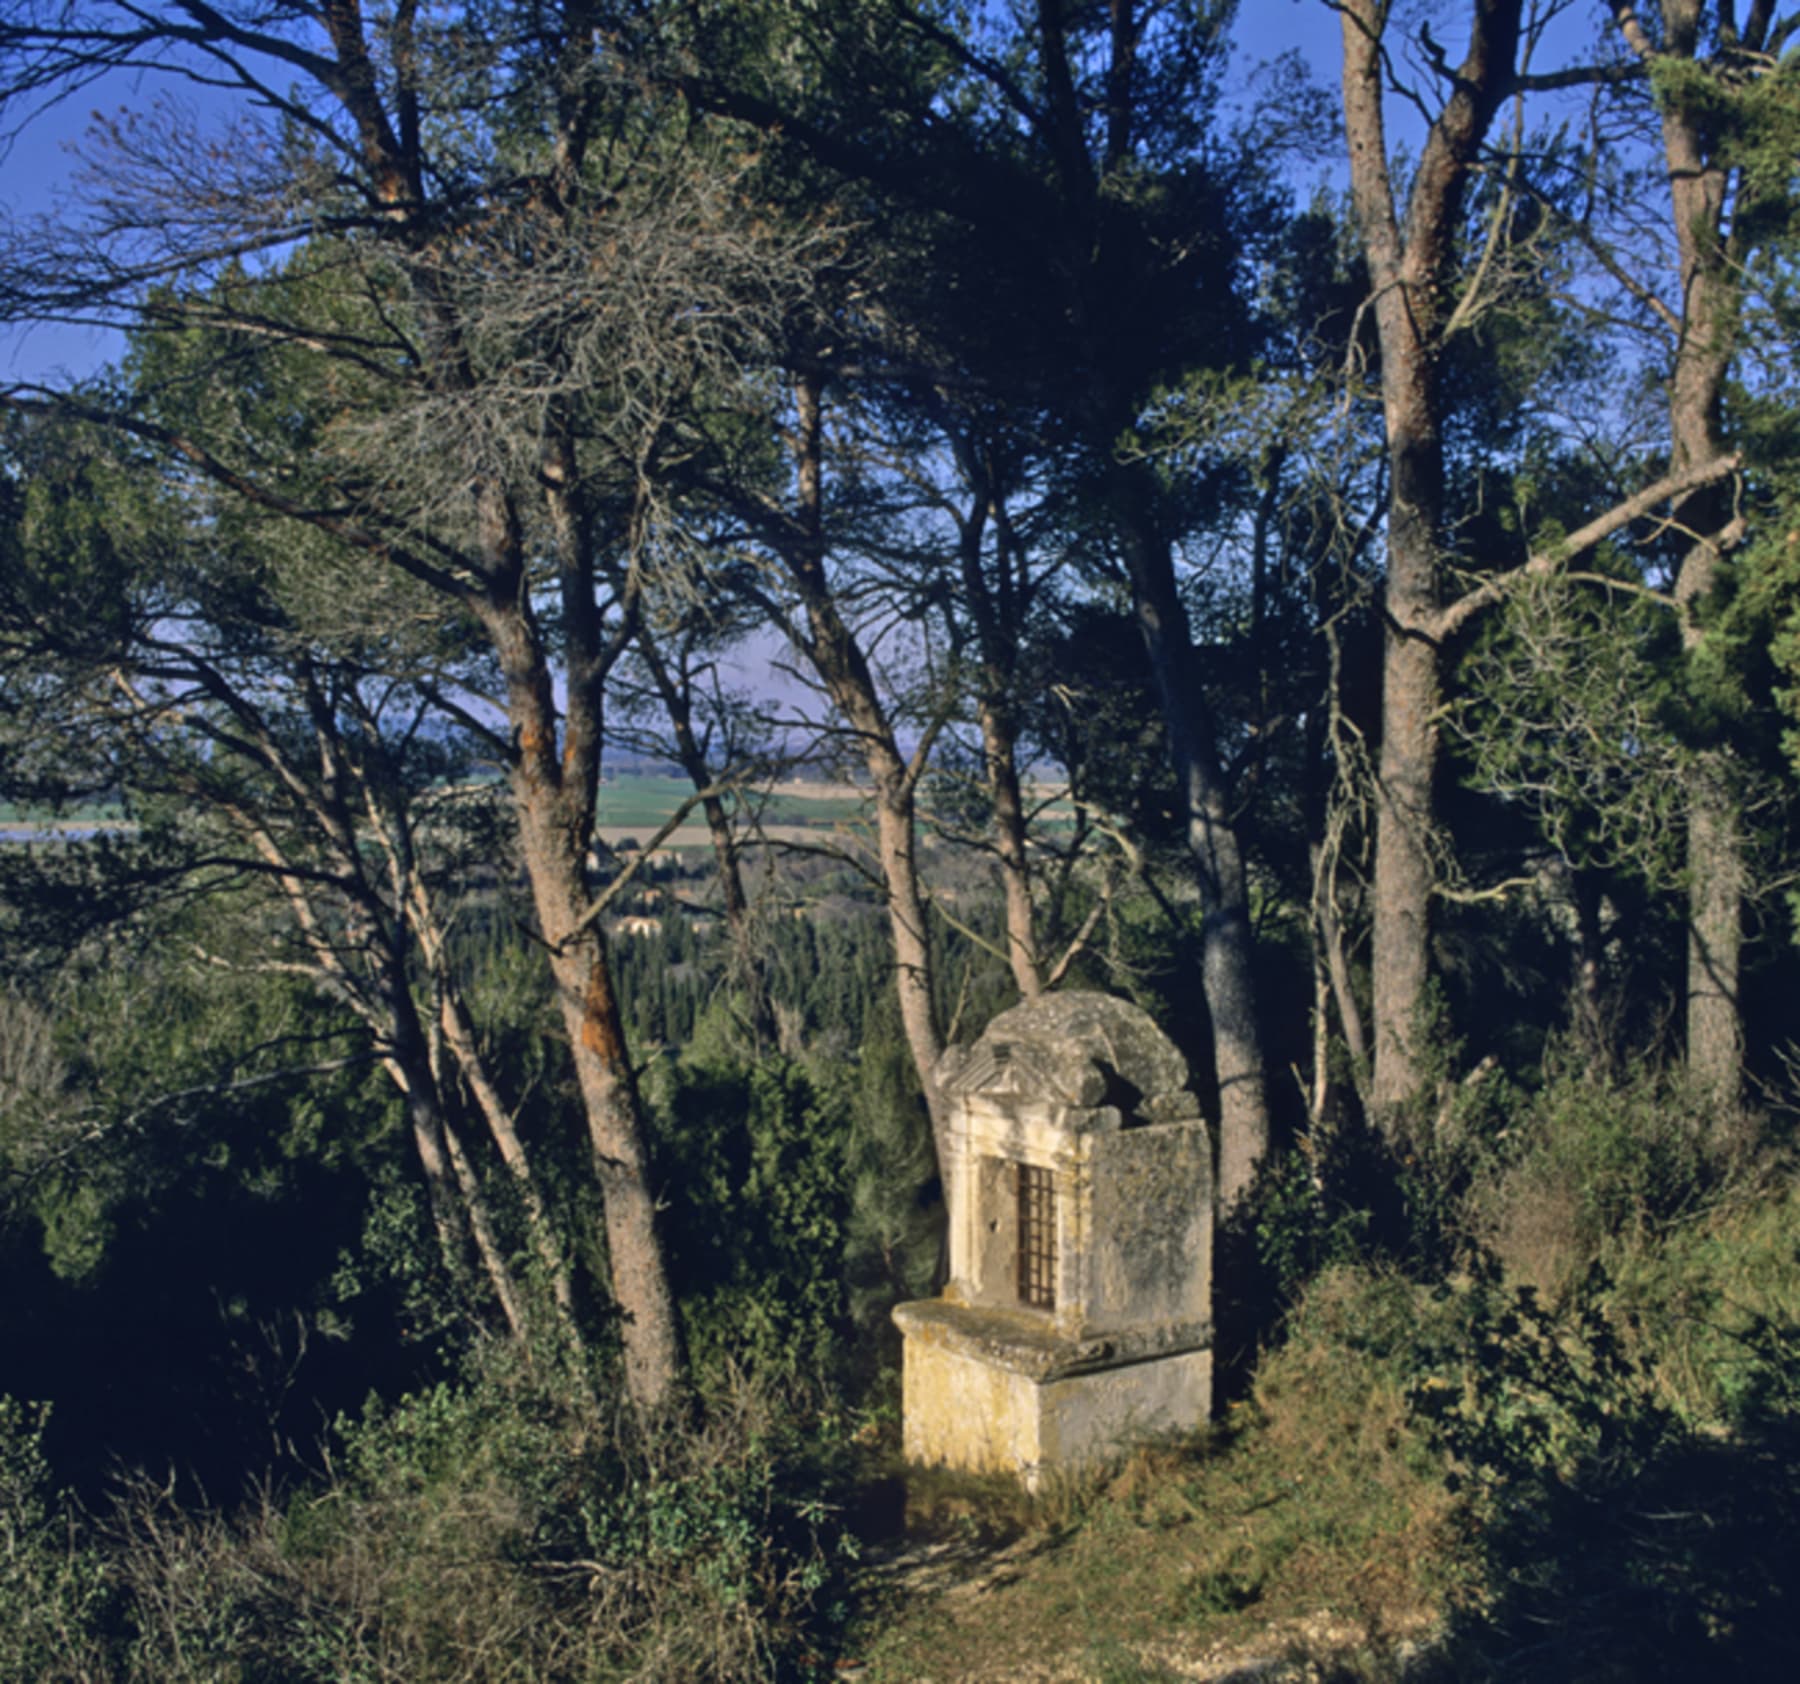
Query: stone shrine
x=1077 y=1316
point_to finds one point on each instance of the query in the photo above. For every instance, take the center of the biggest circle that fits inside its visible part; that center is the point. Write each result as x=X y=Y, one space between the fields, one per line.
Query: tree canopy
x=1352 y=615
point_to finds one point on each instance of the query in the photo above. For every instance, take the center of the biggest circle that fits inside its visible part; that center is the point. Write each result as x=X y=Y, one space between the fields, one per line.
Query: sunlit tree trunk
x=1410 y=273
x=554 y=781
x=1708 y=271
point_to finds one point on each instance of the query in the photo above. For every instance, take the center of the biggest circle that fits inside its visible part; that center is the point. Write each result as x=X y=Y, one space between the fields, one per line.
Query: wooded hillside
x=1317 y=558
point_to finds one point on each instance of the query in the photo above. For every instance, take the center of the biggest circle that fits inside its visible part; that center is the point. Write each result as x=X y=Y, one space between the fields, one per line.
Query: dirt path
x=958 y=1572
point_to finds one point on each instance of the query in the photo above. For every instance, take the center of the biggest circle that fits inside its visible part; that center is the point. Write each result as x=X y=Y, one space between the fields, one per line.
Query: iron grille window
x=1037 y=1238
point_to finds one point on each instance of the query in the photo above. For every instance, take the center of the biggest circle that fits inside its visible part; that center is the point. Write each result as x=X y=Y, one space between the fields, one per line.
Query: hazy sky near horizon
x=39 y=176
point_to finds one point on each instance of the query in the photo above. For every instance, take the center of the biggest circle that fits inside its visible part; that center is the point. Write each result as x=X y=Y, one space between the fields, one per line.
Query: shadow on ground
x=1688 y=1569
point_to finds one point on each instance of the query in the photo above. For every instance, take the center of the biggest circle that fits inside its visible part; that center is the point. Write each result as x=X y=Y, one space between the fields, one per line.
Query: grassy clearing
x=1316 y=1517
x=1574 y=1456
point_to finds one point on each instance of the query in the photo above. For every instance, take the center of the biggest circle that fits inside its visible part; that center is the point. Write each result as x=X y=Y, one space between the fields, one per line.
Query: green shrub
x=726 y=1539
x=1298 y=1231
x=750 y=1158
x=1520 y=1393
x=495 y=1532
x=54 y=1598
x=1594 y=1162
x=1615 y=1541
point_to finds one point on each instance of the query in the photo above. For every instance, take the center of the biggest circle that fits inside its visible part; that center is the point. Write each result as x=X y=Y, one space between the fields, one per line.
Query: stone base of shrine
x=998 y=1391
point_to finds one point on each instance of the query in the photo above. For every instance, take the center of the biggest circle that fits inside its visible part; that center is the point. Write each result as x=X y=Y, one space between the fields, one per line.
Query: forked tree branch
x=1456 y=616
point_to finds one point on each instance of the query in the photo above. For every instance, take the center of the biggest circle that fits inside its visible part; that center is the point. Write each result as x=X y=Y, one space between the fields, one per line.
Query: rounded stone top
x=1076 y=1049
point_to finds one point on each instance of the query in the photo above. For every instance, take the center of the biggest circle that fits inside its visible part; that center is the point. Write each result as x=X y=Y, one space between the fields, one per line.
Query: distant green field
x=634 y=800
x=639 y=800
x=644 y=801
x=99 y=813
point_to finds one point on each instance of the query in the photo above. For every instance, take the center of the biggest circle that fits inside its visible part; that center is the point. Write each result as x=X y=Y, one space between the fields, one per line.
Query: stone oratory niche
x=1077 y=1316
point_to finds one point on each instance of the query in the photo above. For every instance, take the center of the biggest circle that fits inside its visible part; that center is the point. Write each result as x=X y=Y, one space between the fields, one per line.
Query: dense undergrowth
x=496 y=1529
x=1536 y=1415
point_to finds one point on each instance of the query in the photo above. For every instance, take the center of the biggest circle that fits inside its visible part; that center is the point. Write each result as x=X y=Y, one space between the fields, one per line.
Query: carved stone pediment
x=1079 y=1050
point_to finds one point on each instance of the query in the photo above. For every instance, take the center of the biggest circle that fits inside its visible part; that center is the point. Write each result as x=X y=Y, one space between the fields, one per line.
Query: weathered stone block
x=984 y=1392
x=1079 y=1178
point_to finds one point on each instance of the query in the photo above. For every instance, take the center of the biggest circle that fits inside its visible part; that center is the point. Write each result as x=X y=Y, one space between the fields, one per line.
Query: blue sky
x=38 y=174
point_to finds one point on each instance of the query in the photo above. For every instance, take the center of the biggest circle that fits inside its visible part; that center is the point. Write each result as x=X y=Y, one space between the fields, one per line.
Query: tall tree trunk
x=1227 y=951
x=1716 y=872
x=382 y=152
x=1700 y=195
x=590 y=1012
x=1406 y=770
x=1405 y=877
x=1410 y=275
x=456 y=1036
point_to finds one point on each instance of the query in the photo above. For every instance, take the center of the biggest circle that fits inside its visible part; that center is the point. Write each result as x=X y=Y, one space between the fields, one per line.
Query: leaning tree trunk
x=441 y=1155
x=458 y=1030
x=553 y=800
x=997 y=608
x=843 y=668
x=590 y=1013
x=456 y=1037
x=382 y=997
x=897 y=844
x=999 y=747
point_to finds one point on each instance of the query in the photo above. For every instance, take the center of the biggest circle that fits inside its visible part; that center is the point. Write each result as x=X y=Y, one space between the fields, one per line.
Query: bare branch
x=1452 y=619
x=597 y=908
